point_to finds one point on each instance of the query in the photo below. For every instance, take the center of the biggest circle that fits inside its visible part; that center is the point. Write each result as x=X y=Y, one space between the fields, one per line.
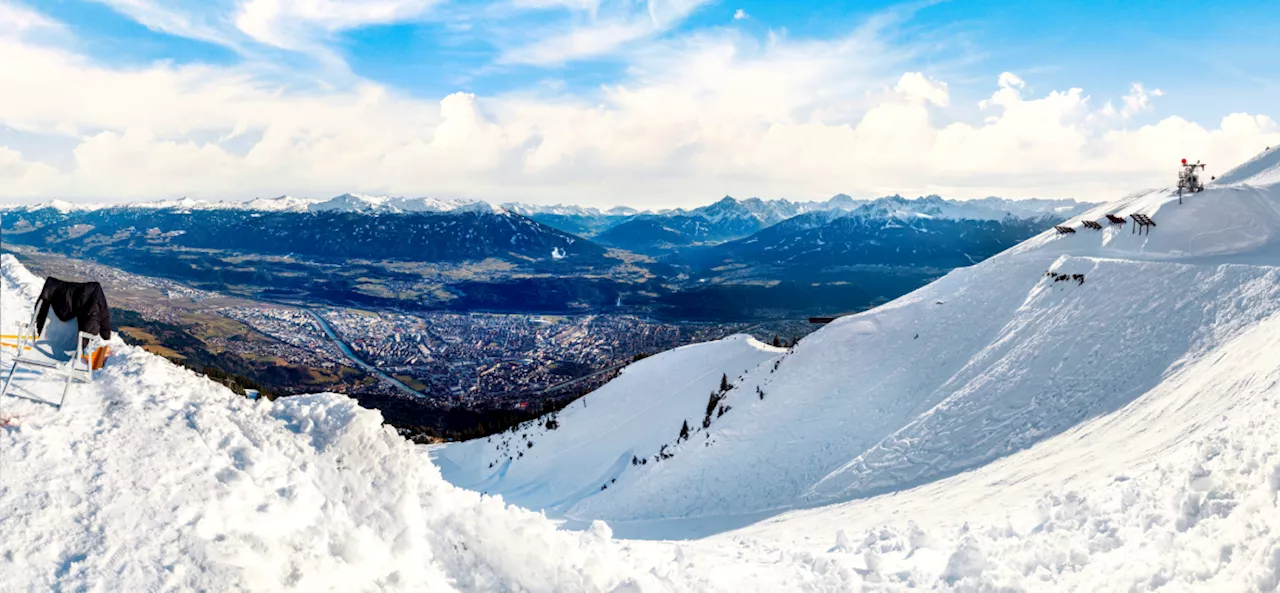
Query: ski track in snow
x=993 y=431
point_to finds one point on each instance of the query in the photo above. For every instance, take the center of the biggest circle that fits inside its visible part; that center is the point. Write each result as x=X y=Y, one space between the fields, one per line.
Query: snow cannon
x=1189 y=179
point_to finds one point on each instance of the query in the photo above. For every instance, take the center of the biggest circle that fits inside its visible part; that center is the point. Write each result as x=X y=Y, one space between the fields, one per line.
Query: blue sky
x=550 y=95
x=1192 y=50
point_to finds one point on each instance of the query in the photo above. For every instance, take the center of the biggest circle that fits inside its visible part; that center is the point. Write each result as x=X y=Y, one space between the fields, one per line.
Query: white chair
x=62 y=350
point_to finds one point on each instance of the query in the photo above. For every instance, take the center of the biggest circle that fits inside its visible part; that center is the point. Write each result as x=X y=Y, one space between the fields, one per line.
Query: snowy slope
x=1263 y=169
x=1175 y=492
x=632 y=416
x=985 y=363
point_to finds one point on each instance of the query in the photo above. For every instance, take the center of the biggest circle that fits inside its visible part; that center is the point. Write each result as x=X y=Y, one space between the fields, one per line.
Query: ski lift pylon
x=1188 y=179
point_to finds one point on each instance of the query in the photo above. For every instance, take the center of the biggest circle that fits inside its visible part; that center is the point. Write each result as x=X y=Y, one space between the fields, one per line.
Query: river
x=346 y=350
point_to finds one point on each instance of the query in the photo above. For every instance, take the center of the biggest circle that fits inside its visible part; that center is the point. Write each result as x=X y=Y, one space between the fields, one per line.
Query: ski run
x=1088 y=411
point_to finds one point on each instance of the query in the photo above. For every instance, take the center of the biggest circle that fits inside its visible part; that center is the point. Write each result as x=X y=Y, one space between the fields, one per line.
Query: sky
x=648 y=103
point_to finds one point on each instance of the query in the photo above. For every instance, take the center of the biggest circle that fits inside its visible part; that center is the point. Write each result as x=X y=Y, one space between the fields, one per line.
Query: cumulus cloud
x=915 y=85
x=1138 y=100
x=741 y=15
x=24 y=177
x=693 y=119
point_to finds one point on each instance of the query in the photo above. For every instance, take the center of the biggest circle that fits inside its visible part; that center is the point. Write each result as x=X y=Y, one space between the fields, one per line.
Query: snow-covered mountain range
x=731 y=220
x=343 y=227
x=733 y=247
x=358 y=203
x=765 y=212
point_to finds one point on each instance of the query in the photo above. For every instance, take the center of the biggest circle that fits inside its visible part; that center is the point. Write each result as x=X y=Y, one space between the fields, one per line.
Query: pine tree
x=684 y=432
x=712 y=402
x=777 y=342
x=724 y=383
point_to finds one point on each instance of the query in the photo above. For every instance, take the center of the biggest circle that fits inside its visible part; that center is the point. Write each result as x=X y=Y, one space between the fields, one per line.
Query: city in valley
x=475 y=357
x=430 y=360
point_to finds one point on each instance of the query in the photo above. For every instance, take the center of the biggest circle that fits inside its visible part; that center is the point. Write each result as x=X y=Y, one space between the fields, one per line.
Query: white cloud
x=19 y=19
x=194 y=19
x=695 y=118
x=741 y=15
x=607 y=29
x=1138 y=100
x=24 y=177
x=589 y=6
x=294 y=24
x=915 y=85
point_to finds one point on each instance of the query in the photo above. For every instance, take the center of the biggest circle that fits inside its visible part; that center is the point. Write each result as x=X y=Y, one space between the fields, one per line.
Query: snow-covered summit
x=1236 y=219
x=524 y=209
x=284 y=203
x=354 y=203
x=382 y=204
x=934 y=206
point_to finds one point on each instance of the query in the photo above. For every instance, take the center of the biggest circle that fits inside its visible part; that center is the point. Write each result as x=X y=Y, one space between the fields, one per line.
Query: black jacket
x=82 y=300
